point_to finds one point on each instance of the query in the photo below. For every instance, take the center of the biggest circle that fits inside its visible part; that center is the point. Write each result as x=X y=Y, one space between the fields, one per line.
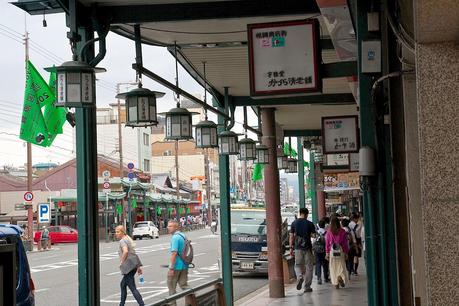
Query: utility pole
x=120 y=142
x=120 y=149
x=29 y=155
x=208 y=195
x=177 y=169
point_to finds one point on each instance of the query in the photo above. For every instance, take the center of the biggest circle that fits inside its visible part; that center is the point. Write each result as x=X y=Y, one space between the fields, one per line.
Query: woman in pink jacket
x=336 y=248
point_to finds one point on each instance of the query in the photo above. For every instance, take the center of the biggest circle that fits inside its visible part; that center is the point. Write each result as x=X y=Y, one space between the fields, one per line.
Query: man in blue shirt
x=178 y=270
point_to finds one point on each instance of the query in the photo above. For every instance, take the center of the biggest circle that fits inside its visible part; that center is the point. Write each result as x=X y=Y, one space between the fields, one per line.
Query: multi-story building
x=135 y=141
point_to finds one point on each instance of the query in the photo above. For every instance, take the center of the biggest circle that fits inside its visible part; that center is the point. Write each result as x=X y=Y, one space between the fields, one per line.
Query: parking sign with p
x=44 y=214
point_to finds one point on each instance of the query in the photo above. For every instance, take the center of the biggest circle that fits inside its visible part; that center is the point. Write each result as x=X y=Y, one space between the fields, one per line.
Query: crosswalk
x=154 y=290
x=103 y=257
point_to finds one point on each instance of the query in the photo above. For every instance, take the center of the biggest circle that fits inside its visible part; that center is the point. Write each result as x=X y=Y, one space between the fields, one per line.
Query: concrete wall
x=9 y=198
x=189 y=165
x=133 y=148
x=437 y=67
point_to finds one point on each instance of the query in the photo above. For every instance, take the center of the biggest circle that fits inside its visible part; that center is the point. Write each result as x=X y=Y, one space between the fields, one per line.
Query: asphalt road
x=55 y=272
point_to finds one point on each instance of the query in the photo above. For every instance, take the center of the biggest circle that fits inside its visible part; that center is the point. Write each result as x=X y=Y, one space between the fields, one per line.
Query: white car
x=145 y=229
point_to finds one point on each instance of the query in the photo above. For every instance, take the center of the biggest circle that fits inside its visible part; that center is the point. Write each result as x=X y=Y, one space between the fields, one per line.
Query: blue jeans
x=129 y=281
x=321 y=262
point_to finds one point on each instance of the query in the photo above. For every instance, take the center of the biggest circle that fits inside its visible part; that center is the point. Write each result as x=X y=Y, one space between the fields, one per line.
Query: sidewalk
x=355 y=294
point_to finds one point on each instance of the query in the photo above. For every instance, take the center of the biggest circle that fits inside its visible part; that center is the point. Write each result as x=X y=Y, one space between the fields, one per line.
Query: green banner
x=257 y=172
x=288 y=151
x=37 y=94
x=54 y=116
x=134 y=203
x=119 y=209
x=188 y=210
x=158 y=211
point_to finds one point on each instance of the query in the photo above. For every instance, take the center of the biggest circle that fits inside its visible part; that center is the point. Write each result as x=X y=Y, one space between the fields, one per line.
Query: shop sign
x=337 y=159
x=354 y=162
x=284 y=57
x=340 y=134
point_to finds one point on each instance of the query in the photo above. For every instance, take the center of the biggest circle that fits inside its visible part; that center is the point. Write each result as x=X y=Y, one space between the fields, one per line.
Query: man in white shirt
x=356 y=228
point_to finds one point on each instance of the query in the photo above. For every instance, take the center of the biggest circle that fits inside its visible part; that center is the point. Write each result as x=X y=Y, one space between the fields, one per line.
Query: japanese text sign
x=340 y=134
x=284 y=58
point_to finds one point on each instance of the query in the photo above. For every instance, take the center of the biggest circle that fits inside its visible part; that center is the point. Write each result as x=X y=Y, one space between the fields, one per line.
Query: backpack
x=319 y=245
x=187 y=252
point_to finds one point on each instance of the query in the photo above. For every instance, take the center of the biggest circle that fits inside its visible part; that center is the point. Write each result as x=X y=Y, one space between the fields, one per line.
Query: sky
x=49 y=46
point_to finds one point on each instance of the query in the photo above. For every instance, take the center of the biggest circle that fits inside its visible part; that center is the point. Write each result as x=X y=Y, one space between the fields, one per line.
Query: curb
x=250 y=296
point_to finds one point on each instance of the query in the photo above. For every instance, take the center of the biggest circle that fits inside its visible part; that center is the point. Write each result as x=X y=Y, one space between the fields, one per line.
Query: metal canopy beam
x=205 y=10
x=338 y=69
x=338 y=99
x=304 y=133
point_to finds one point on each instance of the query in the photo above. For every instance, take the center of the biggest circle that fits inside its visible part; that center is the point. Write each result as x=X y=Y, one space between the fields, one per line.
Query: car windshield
x=248 y=222
x=137 y=225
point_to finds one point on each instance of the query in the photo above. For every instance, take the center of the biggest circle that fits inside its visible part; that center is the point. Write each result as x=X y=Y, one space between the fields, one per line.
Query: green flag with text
x=54 y=116
x=37 y=93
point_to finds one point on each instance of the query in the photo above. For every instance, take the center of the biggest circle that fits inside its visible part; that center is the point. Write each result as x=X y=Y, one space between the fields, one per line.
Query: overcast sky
x=49 y=46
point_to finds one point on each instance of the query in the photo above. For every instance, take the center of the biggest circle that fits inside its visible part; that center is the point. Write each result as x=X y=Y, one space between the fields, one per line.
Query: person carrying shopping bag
x=337 y=248
x=129 y=265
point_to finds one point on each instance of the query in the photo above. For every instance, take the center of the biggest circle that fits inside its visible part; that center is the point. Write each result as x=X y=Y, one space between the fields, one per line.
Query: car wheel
x=135 y=238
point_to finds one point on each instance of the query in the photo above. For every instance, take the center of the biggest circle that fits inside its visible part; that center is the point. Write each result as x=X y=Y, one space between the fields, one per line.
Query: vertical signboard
x=284 y=57
x=340 y=134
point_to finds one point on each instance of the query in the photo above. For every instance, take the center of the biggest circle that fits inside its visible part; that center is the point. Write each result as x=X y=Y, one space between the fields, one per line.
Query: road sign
x=106 y=174
x=130 y=175
x=28 y=196
x=130 y=166
x=20 y=206
x=106 y=185
x=44 y=213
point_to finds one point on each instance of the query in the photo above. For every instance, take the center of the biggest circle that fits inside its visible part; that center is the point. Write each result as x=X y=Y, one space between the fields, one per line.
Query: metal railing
x=187 y=292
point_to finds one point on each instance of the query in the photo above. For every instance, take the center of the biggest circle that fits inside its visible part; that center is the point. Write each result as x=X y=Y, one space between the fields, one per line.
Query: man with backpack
x=301 y=248
x=319 y=250
x=181 y=253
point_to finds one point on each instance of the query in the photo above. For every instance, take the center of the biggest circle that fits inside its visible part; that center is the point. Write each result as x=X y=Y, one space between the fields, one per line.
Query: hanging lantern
x=247 y=149
x=178 y=124
x=282 y=162
x=206 y=135
x=75 y=84
x=228 y=143
x=262 y=154
x=292 y=165
x=141 y=107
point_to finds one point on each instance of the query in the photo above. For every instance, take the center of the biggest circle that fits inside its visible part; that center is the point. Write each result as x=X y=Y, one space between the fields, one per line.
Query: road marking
x=103 y=257
x=196 y=279
x=209 y=237
x=41 y=290
x=113 y=273
x=200 y=254
x=147 y=292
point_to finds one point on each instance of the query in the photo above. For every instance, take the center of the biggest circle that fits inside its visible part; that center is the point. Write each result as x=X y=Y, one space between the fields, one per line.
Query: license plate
x=247 y=265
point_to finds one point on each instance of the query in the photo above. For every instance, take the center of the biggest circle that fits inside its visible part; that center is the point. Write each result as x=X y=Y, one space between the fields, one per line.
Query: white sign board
x=337 y=159
x=354 y=162
x=340 y=134
x=44 y=213
x=283 y=58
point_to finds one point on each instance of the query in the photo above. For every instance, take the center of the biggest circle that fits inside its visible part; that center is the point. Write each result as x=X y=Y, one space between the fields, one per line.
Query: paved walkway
x=354 y=294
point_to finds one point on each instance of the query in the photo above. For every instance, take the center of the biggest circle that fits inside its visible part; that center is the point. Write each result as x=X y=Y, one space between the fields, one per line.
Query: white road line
x=113 y=273
x=200 y=254
x=196 y=279
x=41 y=290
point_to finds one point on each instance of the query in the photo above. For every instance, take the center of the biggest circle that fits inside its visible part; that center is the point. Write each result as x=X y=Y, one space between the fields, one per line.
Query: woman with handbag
x=337 y=248
x=129 y=265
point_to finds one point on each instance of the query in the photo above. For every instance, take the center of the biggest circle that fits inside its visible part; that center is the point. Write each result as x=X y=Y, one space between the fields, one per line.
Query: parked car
x=59 y=234
x=145 y=229
x=25 y=288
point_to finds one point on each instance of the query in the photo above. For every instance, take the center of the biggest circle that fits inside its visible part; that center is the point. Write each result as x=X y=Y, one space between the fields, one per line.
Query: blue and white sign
x=130 y=166
x=44 y=213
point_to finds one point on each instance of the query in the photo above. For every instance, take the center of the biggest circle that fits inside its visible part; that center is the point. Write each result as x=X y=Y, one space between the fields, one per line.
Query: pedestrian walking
x=129 y=265
x=178 y=269
x=301 y=248
x=44 y=239
x=319 y=251
x=336 y=247
x=356 y=227
x=352 y=246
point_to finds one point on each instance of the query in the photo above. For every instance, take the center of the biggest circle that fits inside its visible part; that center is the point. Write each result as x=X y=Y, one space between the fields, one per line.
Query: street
x=56 y=280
